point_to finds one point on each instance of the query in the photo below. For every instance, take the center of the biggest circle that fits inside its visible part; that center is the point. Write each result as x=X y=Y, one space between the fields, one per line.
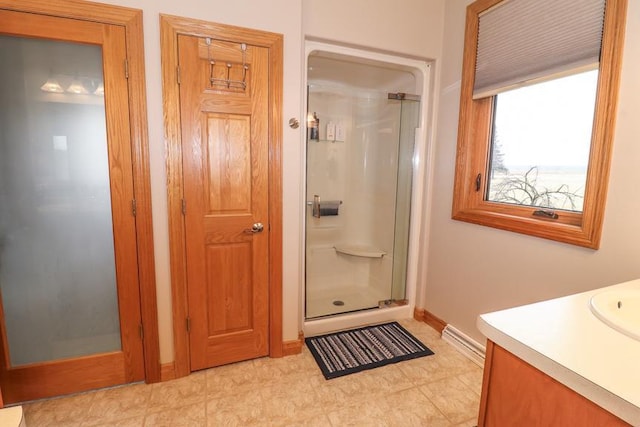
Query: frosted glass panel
x=57 y=267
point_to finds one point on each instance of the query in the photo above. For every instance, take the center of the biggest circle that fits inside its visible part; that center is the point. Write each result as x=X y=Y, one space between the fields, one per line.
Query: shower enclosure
x=362 y=121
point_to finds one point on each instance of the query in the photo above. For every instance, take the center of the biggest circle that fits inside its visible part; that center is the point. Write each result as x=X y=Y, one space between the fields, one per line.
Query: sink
x=619 y=308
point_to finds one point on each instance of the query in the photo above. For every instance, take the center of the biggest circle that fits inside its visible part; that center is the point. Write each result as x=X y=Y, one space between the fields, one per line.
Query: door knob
x=255 y=228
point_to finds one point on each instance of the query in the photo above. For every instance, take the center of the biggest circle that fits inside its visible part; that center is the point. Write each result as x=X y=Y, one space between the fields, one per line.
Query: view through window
x=541 y=141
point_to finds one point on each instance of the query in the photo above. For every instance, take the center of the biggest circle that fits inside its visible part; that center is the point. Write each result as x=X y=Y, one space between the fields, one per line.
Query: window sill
x=569 y=228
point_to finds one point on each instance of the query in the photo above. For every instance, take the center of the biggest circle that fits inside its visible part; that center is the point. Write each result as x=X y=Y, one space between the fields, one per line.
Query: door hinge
x=134 y=207
x=141 y=331
x=178 y=74
x=184 y=207
x=188 y=324
x=126 y=68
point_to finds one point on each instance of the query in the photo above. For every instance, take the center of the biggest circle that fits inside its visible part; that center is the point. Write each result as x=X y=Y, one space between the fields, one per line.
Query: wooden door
x=224 y=95
x=112 y=367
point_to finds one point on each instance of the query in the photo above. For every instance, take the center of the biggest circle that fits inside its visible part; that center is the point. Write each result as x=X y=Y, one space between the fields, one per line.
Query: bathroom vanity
x=558 y=363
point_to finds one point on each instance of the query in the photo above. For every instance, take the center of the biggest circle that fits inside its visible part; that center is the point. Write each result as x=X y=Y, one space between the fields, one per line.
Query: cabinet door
x=515 y=393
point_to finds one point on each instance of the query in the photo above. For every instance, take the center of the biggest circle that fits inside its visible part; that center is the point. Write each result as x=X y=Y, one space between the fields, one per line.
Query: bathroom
x=460 y=270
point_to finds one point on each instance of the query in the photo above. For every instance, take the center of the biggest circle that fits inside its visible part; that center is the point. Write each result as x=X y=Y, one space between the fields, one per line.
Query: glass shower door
x=359 y=180
x=409 y=119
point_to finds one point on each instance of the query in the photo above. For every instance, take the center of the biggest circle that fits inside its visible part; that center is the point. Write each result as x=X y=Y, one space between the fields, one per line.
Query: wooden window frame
x=474 y=144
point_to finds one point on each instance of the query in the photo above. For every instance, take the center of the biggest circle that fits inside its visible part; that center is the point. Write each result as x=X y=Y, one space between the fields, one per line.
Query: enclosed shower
x=363 y=118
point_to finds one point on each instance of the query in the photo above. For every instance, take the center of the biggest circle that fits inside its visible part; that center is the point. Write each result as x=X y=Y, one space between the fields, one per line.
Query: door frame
x=131 y=20
x=170 y=28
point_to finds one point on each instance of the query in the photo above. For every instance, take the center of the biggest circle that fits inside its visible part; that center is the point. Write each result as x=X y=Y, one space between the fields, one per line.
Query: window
x=535 y=136
x=543 y=166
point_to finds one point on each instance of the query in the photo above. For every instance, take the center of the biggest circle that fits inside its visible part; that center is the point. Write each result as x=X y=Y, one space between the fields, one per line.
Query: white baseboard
x=465 y=344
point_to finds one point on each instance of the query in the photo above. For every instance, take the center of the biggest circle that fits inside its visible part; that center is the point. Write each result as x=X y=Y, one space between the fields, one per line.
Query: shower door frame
x=420 y=190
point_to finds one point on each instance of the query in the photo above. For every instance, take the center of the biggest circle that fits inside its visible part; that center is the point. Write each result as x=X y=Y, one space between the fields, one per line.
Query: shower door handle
x=315 y=208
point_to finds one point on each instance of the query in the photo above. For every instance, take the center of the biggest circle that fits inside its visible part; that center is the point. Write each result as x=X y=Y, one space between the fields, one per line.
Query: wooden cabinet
x=515 y=393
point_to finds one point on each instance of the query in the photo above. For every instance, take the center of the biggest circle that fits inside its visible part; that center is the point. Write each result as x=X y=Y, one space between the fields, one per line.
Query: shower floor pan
x=344 y=299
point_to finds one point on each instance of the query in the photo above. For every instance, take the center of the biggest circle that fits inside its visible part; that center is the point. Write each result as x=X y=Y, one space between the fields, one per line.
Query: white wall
x=410 y=27
x=473 y=269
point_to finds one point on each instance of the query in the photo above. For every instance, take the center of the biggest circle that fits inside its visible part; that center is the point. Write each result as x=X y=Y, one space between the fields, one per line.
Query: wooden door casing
x=171 y=28
x=126 y=129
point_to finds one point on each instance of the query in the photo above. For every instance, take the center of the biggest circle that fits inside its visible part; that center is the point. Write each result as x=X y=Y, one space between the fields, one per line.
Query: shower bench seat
x=359 y=250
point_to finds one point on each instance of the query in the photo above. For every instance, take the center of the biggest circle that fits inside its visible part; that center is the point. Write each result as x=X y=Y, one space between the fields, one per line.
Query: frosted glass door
x=57 y=267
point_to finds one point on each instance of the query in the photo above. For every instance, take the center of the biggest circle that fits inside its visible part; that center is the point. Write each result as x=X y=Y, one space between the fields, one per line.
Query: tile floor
x=438 y=390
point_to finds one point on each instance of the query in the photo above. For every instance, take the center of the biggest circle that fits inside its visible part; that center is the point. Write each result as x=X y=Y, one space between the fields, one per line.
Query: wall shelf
x=360 y=250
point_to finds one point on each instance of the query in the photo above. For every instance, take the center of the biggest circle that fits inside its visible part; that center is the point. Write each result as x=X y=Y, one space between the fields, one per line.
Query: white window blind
x=526 y=41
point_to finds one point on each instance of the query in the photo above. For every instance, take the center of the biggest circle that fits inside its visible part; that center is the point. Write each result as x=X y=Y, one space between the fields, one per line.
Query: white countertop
x=562 y=338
